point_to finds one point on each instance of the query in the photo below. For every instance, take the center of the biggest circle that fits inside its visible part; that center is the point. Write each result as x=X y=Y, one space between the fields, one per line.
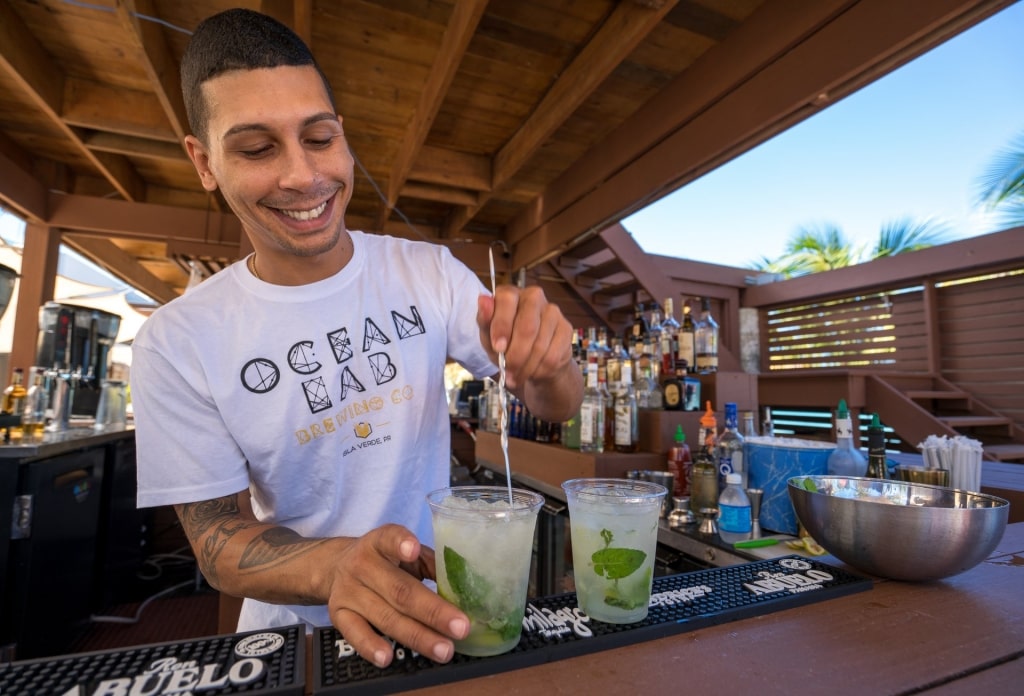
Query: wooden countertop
x=962 y=635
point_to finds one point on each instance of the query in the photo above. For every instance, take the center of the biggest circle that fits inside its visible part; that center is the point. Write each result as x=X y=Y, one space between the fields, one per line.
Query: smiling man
x=292 y=407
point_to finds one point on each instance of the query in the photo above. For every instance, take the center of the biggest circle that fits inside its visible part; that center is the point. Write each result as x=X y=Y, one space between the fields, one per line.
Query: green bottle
x=878 y=467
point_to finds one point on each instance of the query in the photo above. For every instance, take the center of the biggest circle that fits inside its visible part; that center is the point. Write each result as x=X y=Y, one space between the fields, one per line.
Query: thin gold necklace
x=252 y=267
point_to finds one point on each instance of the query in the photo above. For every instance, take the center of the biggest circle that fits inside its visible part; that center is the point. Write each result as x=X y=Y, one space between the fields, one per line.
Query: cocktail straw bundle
x=960 y=455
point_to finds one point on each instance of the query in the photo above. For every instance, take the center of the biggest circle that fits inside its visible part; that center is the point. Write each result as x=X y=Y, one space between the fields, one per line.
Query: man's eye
x=257 y=152
x=320 y=143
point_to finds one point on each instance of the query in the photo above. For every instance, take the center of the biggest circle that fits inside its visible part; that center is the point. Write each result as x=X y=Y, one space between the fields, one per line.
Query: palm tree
x=1001 y=188
x=825 y=247
x=904 y=234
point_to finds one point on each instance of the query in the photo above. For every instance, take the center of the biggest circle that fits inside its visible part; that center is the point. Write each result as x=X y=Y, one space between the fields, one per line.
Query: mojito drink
x=483 y=547
x=614 y=528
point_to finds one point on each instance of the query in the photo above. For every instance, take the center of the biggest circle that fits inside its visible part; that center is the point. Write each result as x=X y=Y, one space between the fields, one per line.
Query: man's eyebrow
x=261 y=128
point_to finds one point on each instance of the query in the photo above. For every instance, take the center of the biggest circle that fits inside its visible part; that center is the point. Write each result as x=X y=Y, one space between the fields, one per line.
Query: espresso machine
x=75 y=341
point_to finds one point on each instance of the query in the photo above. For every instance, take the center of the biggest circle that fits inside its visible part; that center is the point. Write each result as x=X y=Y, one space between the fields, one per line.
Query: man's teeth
x=306 y=214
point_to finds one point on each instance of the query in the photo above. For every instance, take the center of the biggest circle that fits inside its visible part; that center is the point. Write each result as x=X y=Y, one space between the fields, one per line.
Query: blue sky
x=912 y=144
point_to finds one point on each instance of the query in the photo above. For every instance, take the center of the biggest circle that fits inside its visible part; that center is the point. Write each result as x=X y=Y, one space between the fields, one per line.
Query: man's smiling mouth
x=303 y=215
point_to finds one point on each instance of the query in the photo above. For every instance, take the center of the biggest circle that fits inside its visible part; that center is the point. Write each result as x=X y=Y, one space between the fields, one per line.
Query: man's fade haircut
x=237 y=39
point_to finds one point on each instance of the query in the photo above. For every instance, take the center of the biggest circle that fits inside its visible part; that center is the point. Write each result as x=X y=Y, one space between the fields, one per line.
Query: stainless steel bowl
x=897 y=529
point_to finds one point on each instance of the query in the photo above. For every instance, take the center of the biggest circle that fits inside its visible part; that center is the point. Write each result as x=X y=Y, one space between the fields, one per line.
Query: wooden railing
x=955 y=311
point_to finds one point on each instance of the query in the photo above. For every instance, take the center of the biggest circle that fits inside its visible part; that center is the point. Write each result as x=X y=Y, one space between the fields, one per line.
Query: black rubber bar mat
x=258 y=662
x=554 y=628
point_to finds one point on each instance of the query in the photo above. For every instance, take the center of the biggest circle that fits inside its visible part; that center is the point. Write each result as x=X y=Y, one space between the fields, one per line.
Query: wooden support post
x=35 y=288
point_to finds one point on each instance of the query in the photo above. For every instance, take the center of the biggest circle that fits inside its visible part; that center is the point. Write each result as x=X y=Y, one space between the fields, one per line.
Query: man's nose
x=298 y=169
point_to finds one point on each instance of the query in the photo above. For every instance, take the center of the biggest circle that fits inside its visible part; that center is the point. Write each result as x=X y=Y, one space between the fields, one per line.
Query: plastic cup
x=614 y=530
x=483 y=550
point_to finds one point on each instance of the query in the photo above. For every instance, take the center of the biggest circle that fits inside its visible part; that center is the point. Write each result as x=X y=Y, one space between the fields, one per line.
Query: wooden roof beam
x=628 y=25
x=141 y=220
x=767 y=76
x=161 y=67
x=27 y=64
x=461 y=26
x=124 y=266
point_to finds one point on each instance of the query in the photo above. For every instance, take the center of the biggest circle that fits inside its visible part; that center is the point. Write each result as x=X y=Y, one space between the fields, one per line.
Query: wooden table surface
x=962 y=635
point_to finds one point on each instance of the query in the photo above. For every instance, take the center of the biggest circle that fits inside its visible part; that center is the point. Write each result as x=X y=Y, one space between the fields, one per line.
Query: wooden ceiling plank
x=43 y=83
x=21 y=191
x=297 y=14
x=214 y=250
x=627 y=26
x=134 y=147
x=160 y=66
x=435 y=165
x=624 y=29
x=141 y=220
x=124 y=266
x=89 y=104
x=457 y=35
x=441 y=194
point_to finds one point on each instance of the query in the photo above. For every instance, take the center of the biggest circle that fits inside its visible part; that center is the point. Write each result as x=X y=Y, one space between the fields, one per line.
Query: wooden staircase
x=611 y=273
x=918 y=405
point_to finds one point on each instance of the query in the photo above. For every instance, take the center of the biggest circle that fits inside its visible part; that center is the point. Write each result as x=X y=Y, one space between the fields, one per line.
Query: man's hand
x=370 y=581
x=376 y=582
x=537 y=341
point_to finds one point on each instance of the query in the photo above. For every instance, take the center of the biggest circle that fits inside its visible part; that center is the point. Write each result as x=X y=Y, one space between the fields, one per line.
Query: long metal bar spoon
x=502 y=393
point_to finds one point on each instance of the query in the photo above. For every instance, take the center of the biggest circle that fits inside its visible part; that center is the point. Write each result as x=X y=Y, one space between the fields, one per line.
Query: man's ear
x=200 y=157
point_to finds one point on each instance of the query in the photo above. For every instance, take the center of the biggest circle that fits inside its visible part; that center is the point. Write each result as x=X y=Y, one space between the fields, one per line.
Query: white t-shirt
x=325 y=400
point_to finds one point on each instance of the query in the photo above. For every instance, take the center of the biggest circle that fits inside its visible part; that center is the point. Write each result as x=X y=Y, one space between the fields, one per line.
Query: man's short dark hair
x=237 y=39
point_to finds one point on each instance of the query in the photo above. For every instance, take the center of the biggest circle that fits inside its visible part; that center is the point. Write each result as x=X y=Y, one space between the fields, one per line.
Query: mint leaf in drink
x=614 y=597
x=613 y=563
x=470 y=588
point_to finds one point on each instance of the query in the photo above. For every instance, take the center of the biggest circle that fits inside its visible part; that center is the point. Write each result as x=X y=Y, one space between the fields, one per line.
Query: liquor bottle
x=878 y=467
x=768 y=425
x=669 y=341
x=707 y=435
x=845 y=459
x=570 y=433
x=729 y=448
x=638 y=331
x=748 y=429
x=706 y=340
x=617 y=355
x=680 y=464
x=703 y=481
x=627 y=418
x=673 y=390
x=14 y=401
x=734 y=521
x=686 y=340
x=608 y=399
x=652 y=342
x=592 y=413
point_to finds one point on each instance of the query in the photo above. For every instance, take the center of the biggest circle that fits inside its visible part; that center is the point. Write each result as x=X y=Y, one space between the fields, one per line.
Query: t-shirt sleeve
x=185 y=453
x=463 y=333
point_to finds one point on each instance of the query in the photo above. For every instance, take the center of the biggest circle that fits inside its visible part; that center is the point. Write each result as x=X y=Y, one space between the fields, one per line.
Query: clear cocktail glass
x=483 y=549
x=614 y=528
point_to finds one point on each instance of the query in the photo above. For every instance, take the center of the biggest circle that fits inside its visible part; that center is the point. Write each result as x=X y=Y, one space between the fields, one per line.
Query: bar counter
x=961 y=635
x=55 y=443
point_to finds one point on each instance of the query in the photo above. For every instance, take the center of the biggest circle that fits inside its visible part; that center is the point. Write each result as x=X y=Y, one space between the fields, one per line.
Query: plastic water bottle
x=734 y=520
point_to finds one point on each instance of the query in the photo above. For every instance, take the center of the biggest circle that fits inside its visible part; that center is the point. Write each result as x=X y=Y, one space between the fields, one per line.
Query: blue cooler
x=771 y=462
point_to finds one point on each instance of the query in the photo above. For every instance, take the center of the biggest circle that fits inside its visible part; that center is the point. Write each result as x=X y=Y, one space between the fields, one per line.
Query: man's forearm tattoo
x=274 y=547
x=218 y=521
x=211 y=524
